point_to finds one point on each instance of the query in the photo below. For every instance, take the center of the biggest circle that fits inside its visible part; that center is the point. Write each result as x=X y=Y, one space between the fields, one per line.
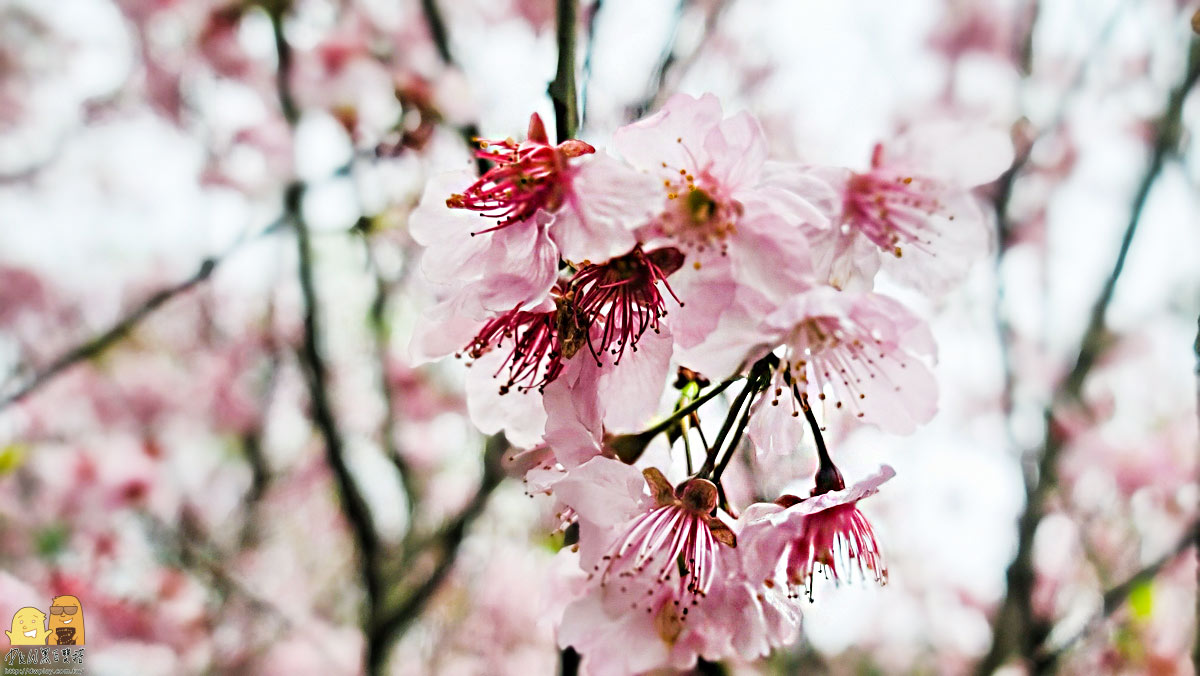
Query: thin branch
x=568 y=662
x=731 y=417
x=672 y=66
x=665 y=62
x=354 y=505
x=382 y=331
x=1047 y=658
x=441 y=40
x=1016 y=628
x=114 y=334
x=562 y=87
x=437 y=29
x=589 y=51
x=629 y=447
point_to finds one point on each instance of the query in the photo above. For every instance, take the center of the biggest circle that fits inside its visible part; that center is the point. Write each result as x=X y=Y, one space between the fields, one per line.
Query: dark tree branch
x=1196 y=539
x=589 y=51
x=568 y=662
x=382 y=331
x=437 y=29
x=672 y=65
x=1016 y=629
x=114 y=334
x=393 y=622
x=441 y=40
x=562 y=87
x=354 y=505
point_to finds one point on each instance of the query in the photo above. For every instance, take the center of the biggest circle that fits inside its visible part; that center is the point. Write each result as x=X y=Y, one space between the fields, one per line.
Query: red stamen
x=526 y=177
x=622 y=295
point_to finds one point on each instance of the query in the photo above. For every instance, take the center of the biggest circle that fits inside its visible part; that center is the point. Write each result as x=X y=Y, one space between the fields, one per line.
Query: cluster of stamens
x=540 y=340
x=835 y=540
x=608 y=307
x=670 y=550
x=622 y=297
x=696 y=217
x=525 y=177
x=892 y=210
x=825 y=350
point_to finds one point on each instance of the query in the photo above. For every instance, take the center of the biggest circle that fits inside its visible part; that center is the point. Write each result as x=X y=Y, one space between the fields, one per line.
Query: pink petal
x=737 y=150
x=957 y=151
x=608 y=200
x=673 y=135
x=772 y=256
x=631 y=391
x=520 y=415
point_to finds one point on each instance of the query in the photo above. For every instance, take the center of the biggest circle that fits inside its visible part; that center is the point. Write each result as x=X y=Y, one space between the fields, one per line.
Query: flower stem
x=828 y=477
x=629 y=447
x=562 y=87
x=753 y=384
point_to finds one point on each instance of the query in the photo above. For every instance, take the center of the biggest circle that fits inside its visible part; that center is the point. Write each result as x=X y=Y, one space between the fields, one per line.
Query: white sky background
x=120 y=205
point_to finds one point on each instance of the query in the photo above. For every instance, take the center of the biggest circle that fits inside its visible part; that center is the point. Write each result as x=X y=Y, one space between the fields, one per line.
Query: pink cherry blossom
x=642 y=609
x=525 y=178
x=720 y=195
x=915 y=208
x=622 y=298
x=825 y=531
x=594 y=203
x=860 y=351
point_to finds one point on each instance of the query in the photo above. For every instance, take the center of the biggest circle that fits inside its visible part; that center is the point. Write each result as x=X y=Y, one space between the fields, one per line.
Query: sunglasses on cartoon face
x=63 y=610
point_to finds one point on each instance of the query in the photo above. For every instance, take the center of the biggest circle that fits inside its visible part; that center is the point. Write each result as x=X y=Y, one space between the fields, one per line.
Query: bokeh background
x=165 y=457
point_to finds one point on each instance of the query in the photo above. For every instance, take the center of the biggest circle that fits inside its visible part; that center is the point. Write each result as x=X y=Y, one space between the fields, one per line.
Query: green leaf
x=51 y=540
x=11 y=457
x=1141 y=600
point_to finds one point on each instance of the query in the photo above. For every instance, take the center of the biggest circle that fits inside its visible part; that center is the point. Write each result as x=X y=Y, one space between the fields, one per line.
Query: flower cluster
x=577 y=284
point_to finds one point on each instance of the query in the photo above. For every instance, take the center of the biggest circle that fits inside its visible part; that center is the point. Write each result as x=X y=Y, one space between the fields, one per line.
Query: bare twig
x=437 y=29
x=382 y=330
x=354 y=505
x=589 y=51
x=96 y=346
x=672 y=65
x=1017 y=631
x=562 y=87
x=568 y=662
x=1196 y=348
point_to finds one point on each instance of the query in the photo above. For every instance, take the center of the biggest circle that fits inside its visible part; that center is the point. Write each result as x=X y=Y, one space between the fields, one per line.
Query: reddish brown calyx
x=698 y=496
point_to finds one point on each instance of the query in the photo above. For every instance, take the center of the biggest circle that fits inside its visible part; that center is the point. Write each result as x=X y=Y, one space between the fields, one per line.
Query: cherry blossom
x=823 y=532
x=859 y=351
x=914 y=207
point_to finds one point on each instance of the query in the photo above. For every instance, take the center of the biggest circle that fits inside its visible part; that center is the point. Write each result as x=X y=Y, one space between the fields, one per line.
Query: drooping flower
x=621 y=299
x=825 y=532
x=615 y=624
x=673 y=546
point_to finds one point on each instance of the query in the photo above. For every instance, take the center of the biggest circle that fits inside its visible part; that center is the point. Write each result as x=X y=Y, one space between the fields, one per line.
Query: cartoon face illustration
x=28 y=627
x=66 y=621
